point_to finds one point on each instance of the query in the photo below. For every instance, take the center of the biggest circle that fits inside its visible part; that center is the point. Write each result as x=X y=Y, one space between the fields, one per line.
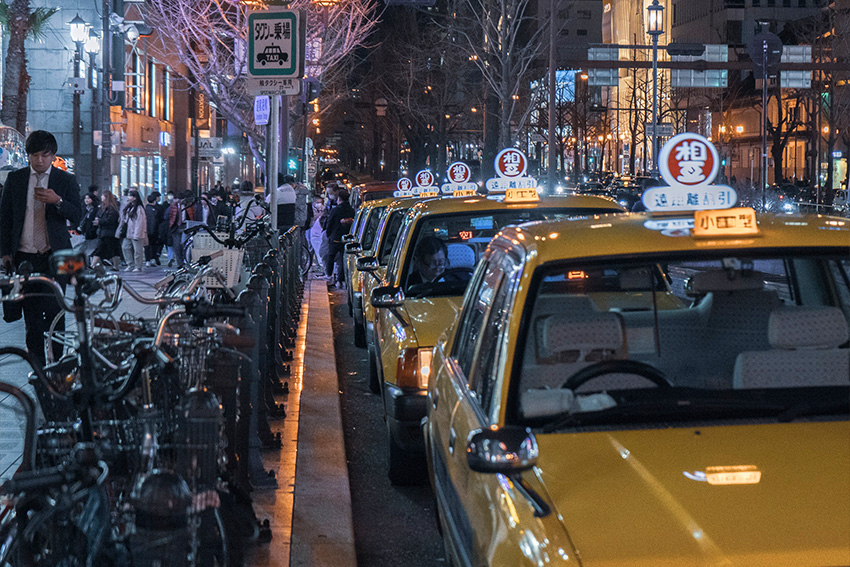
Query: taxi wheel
x=405 y=468
x=374 y=378
x=359 y=337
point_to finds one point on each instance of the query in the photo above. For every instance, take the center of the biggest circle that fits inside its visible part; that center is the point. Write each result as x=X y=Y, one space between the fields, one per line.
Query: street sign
x=261 y=110
x=665 y=129
x=765 y=49
x=276 y=41
x=692 y=78
x=272 y=86
x=208 y=147
x=796 y=79
x=538 y=138
x=603 y=77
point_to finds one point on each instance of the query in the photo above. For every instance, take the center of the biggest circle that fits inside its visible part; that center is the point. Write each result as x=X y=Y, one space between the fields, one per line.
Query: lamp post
x=655 y=27
x=92 y=47
x=78 y=36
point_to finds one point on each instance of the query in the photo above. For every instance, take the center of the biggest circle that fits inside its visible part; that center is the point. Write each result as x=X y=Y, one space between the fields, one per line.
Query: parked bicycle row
x=142 y=446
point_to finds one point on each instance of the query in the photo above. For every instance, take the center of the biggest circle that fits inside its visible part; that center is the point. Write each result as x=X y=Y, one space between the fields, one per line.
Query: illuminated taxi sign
x=688 y=163
x=673 y=199
x=404 y=184
x=424 y=194
x=459 y=185
x=525 y=195
x=688 y=159
x=425 y=185
x=511 y=165
x=739 y=474
x=740 y=221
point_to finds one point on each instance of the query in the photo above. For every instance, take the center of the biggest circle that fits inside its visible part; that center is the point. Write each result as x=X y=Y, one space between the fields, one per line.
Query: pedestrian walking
x=153 y=216
x=107 y=221
x=176 y=224
x=315 y=231
x=36 y=206
x=133 y=229
x=88 y=228
x=338 y=225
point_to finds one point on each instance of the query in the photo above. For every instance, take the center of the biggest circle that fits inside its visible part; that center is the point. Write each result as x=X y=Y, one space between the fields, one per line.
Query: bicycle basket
x=229 y=264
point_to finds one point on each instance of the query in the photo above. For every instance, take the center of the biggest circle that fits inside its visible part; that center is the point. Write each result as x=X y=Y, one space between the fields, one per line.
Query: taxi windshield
x=446 y=248
x=686 y=340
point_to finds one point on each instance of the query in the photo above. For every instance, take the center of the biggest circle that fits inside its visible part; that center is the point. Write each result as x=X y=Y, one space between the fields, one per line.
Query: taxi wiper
x=677 y=405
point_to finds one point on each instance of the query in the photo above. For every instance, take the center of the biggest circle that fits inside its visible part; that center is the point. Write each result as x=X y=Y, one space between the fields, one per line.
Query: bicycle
x=135 y=437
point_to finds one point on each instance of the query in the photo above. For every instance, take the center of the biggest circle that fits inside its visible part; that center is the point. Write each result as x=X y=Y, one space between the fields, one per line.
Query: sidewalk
x=310 y=510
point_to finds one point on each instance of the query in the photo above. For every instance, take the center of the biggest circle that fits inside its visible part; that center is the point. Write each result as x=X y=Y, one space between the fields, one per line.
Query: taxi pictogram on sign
x=459 y=172
x=511 y=162
x=689 y=159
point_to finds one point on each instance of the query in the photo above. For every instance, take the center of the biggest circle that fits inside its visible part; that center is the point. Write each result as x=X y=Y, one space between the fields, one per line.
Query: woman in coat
x=106 y=221
x=134 y=229
x=87 y=228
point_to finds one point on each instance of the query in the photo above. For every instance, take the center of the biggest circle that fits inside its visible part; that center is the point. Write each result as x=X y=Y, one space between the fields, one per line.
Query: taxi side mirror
x=506 y=450
x=367 y=264
x=353 y=248
x=387 y=296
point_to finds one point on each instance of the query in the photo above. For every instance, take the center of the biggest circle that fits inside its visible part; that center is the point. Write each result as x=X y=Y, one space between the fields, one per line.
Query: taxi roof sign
x=522 y=195
x=740 y=221
x=689 y=163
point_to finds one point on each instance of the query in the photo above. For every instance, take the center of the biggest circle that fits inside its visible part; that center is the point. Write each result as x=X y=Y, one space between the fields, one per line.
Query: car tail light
x=414 y=368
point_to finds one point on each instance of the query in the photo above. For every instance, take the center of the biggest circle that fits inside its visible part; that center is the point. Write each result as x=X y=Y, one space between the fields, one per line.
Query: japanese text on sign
x=738 y=221
x=275 y=44
x=688 y=159
x=459 y=172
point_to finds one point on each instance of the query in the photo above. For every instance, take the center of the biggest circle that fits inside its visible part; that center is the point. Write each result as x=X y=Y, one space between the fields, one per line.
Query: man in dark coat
x=338 y=225
x=36 y=205
x=153 y=216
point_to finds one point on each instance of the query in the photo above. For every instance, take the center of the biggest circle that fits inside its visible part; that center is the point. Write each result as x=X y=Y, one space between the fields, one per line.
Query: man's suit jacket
x=13 y=206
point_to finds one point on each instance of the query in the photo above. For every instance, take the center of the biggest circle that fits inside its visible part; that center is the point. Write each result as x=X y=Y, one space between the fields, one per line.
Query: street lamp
x=78 y=36
x=92 y=47
x=655 y=27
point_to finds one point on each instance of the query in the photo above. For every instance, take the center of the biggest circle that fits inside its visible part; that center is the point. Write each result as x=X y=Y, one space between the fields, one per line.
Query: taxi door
x=465 y=398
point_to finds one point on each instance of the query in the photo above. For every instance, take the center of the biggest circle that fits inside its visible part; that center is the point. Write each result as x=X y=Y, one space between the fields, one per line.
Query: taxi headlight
x=414 y=368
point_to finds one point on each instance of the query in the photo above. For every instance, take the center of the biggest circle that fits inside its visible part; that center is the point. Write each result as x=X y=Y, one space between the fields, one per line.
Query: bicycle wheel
x=306 y=260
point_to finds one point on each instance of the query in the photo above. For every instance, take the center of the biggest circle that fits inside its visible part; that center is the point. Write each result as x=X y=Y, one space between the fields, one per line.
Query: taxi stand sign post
x=458 y=185
x=689 y=163
x=511 y=166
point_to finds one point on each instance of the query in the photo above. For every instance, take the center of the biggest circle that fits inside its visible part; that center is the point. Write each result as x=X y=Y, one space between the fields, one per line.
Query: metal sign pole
x=272 y=163
x=764 y=125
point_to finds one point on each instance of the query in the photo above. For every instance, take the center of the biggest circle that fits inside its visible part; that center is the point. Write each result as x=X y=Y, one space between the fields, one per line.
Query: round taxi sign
x=424 y=178
x=689 y=160
x=459 y=172
x=404 y=184
x=511 y=162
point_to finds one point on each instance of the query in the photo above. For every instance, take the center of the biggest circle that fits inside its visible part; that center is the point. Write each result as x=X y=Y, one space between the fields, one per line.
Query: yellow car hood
x=640 y=498
x=430 y=317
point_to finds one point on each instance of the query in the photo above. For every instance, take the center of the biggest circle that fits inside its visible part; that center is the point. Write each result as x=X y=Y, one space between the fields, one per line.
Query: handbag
x=122 y=231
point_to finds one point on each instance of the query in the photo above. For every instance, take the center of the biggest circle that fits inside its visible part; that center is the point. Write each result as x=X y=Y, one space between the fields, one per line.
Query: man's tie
x=39 y=222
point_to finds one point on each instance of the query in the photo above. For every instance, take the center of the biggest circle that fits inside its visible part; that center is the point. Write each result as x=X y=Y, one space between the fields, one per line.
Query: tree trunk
x=23 y=90
x=15 y=62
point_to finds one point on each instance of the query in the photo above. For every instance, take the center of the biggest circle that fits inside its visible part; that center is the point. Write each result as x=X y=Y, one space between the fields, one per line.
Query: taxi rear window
x=453 y=244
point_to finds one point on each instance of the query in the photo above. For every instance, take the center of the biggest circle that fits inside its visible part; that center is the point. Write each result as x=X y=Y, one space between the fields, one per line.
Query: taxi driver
x=430 y=260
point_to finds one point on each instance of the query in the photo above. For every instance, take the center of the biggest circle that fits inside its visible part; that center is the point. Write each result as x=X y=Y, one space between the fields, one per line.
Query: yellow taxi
x=648 y=390
x=439 y=245
x=360 y=242
x=372 y=267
